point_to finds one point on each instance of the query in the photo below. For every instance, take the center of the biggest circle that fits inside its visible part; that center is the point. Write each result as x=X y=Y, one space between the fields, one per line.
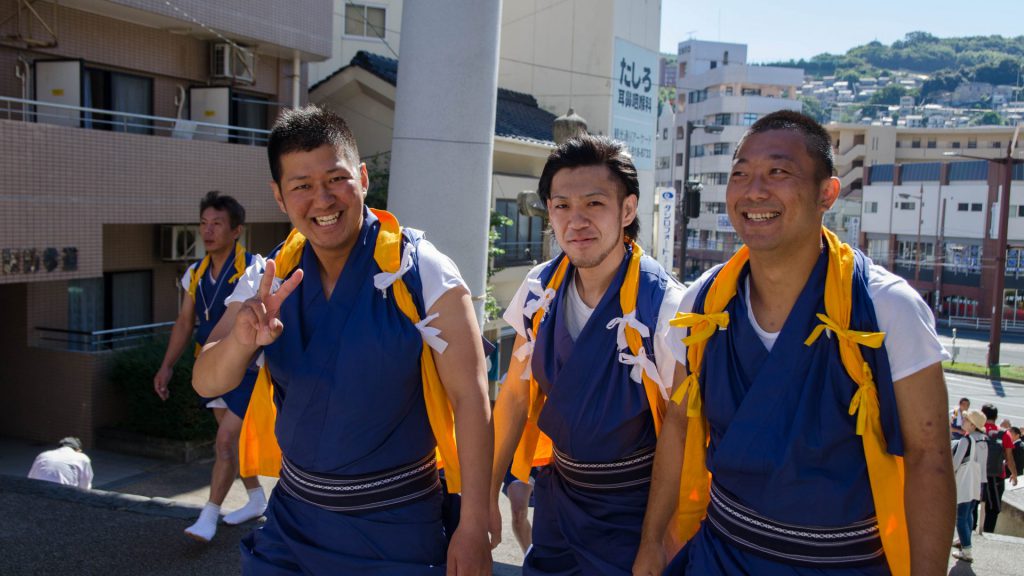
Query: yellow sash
x=885 y=471
x=259 y=452
x=535 y=447
x=198 y=271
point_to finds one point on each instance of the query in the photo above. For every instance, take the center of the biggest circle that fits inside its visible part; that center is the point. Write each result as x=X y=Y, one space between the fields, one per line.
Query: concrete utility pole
x=442 y=150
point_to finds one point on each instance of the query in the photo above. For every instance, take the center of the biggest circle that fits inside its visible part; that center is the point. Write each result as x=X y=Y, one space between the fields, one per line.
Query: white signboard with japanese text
x=635 y=101
x=666 y=225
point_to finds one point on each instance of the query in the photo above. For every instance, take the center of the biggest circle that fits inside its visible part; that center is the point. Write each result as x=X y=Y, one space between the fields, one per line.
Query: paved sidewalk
x=132 y=523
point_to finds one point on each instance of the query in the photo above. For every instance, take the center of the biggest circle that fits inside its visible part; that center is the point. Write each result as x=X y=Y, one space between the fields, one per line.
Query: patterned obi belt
x=377 y=491
x=633 y=470
x=841 y=547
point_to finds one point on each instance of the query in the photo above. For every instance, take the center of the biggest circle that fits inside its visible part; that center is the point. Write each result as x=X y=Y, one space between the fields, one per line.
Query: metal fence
x=115 y=121
x=100 y=340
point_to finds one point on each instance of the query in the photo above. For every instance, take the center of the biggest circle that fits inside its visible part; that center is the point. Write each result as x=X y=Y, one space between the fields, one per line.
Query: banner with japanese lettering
x=635 y=101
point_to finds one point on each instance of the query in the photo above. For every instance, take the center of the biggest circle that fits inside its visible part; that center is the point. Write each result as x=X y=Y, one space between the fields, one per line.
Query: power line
x=373 y=28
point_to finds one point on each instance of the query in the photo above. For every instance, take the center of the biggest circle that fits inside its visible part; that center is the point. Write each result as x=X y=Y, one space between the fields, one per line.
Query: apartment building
x=935 y=224
x=116 y=116
x=718 y=88
x=925 y=207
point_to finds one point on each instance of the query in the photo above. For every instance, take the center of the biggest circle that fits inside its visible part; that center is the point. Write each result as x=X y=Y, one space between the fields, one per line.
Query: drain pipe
x=296 y=76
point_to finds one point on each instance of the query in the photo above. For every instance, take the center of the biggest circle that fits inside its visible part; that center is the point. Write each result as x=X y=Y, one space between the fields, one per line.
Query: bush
x=181 y=417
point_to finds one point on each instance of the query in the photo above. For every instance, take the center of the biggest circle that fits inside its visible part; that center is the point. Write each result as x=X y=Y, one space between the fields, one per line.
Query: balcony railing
x=100 y=340
x=115 y=121
x=519 y=254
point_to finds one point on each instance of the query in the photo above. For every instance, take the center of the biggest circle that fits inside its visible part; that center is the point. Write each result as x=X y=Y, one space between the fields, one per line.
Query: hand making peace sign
x=258 y=322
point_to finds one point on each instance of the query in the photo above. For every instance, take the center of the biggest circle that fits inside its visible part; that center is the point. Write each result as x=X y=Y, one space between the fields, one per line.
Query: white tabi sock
x=206 y=526
x=254 y=508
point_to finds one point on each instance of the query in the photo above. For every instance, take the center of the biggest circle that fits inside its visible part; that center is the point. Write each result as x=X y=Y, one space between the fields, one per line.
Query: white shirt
x=64 y=465
x=910 y=339
x=666 y=352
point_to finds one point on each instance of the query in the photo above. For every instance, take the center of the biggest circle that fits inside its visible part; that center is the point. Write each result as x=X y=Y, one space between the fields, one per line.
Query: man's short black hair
x=588 y=150
x=962 y=400
x=218 y=201
x=990 y=411
x=305 y=129
x=816 y=138
x=1015 y=431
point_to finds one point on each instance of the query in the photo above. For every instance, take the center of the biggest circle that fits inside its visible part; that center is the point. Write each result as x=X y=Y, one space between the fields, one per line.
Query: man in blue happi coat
x=359 y=491
x=207 y=284
x=796 y=430
x=591 y=369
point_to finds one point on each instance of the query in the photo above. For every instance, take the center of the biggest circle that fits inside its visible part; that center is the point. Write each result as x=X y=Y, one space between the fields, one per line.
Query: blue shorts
x=509 y=479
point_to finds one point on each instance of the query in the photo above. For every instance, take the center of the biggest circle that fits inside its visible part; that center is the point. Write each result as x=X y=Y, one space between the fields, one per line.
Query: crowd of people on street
x=655 y=428
x=985 y=457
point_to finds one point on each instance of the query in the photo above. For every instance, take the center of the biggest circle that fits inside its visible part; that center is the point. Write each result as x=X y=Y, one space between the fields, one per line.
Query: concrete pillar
x=441 y=153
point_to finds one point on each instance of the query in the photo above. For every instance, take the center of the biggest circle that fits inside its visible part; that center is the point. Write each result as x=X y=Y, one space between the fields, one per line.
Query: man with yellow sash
x=592 y=367
x=374 y=354
x=809 y=436
x=208 y=283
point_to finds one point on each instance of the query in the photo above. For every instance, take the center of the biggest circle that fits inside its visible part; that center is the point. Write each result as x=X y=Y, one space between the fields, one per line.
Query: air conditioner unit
x=180 y=242
x=232 y=62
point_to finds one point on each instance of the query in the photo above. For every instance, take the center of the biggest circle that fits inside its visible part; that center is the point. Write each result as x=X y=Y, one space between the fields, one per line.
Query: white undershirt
x=767 y=338
x=908 y=323
x=577 y=311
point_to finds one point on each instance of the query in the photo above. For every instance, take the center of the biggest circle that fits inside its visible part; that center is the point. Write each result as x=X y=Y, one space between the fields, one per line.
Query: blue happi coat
x=350 y=401
x=594 y=413
x=238 y=398
x=782 y=442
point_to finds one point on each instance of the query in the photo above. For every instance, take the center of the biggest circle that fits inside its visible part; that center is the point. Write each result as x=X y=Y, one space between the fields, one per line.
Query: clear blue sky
x=784 y=29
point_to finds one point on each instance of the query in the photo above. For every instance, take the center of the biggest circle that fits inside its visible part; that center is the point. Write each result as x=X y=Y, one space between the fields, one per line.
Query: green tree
x=813 y=108
x=890 y=94
x=990 y=118
x=498 y=221
x=378 y=168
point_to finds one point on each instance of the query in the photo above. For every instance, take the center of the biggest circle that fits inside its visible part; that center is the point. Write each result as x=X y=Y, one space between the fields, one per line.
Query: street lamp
x=1008 y=162
x=687 y=187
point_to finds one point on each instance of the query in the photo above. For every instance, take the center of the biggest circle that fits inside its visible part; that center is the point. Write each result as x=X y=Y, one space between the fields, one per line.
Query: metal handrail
x=255 y=134
x=108 y=339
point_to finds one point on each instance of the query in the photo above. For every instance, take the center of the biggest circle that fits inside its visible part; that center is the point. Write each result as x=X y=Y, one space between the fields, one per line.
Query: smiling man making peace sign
x=362 y=401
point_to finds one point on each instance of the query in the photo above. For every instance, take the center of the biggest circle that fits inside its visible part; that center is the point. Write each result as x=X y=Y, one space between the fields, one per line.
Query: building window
x=714 y=208
x=723 y=119
x=249 y=112
x=1016 y=211
x=955 y=144
x=725 y=58
x=728 y=90
x=750 y=92
x=932 y=143
x=714 y=64
x=362 y=20
x=871 y=207
x=522 y=241
x=721 y=148
x=906 y=205
x=748 y=118
x=117 y=92
x=976 y=207
x=679 y=159
x=962 y=207
x=680 y=132
x=972 y=142
x=715 y=178
x=664 y=133
x=962 y=259
x=697 y=150
x=997 y=144
x=916 y=143
x=878 y=250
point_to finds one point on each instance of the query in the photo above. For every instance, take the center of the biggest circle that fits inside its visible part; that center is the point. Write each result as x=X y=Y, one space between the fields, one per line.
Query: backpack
x=994 y=466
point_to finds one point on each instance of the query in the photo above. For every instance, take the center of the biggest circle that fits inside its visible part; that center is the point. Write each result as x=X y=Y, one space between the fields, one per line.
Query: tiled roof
x=518 y=115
